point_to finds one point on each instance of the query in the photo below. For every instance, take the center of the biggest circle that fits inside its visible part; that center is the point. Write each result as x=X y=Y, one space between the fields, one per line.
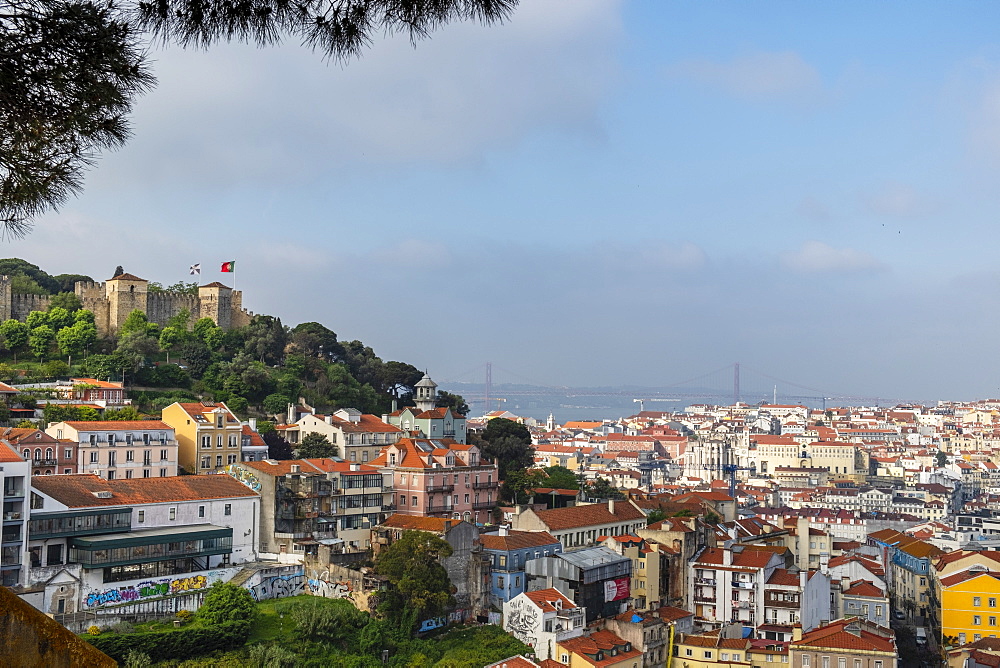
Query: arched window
x=38 y=453
x=48 y=453
x=26 y=453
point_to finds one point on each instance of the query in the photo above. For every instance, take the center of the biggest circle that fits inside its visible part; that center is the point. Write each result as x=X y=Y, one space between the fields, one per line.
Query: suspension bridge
x=489 y=387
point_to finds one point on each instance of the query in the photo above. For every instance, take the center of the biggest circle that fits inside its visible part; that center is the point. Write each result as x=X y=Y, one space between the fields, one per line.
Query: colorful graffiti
x=328 y=589
x=278 y=586
x=145 y=590
x=244 y=476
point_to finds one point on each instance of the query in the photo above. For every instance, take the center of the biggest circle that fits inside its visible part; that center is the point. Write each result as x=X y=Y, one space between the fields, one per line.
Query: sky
x=594 y=193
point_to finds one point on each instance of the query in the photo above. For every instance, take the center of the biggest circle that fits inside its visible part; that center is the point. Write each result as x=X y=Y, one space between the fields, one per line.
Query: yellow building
x=646 y=574
x=600 y=648
x=970 y=606
x=208 y=435
x=711 y=651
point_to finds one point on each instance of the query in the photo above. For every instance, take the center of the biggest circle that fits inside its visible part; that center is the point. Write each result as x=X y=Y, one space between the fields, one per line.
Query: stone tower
x=426 y=394
x=125 y=293
x=216 y=302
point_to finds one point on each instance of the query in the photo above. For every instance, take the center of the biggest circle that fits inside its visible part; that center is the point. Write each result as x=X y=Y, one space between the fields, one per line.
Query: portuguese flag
x=228 y=267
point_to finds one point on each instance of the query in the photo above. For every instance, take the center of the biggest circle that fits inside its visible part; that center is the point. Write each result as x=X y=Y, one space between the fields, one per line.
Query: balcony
x=44 y=462
x=13 y=493
x=440 y=488
x=704 y=581
x=484 y=485
x=12 y=517
x=150 y=545
x=388 y=509
x=701 y=598
x=431 y=508
x=483 y=505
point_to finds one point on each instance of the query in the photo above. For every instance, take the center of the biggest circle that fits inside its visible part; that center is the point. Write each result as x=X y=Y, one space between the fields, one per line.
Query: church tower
x=426 y=394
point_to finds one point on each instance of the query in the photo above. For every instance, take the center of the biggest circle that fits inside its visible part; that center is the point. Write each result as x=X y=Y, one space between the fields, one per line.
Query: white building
x=15 y=473
x=542 y=618
x=95 y=543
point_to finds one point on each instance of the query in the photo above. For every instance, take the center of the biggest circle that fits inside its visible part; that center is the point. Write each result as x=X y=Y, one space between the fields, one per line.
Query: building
x=209 y=436
x=712 y=651
x=426 y=419
x=120 y=449
x=600 y=648
x=649 y=569
x=359 y=437
x=252 y=445
x=595 y=578
x=440 y=478
x=15 y=474
x=311 y=500
x=507 y=552
x=582 y=525
x=47 y=454
x=95 y=542
x=864 y=599
x=845 y=643
x=646 y=631
x=92 y=391
x=726 y=586
x=541 y=619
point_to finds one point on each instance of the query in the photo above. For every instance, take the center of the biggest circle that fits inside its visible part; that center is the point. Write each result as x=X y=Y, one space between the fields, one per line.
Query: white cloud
x=238 y=114
x=817 y=257
x=757 y=76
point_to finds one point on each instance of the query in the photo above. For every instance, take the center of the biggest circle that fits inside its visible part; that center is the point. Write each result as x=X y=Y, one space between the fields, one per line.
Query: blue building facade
x=508 y=551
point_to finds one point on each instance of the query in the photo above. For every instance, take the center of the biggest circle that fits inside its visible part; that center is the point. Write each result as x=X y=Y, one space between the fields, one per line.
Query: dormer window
x=392 y=458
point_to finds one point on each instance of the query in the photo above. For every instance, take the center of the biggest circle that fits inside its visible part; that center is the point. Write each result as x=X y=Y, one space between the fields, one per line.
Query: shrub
x=175 y=644
x=184 y=615
x=94 y=630
x=122 y=627
x=225 y=601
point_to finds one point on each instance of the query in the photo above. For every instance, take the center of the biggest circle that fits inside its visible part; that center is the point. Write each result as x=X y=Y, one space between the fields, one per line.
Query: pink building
x=440 y=478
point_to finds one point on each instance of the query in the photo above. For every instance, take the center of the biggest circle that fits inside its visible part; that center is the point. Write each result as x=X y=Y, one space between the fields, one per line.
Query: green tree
x=56 y=369
x=600 y=488
x=125 y=413
x=15 y=335
x=137 y=322
x=59 y=318
x=169 y=338
x=266 y=339
x=209 y=333
x=40 y=341
x=37 y=319
x=67 y=282
x=510 y=453
x=560 y=477
x=74 y=340
x=225 y=602
x=275 y=404
x=83 y=315
x=453 y=401
x=521 y=484
x=316 y=445
x=501 y=427
x=66 y=300
x=413 y=567
x=316 y=340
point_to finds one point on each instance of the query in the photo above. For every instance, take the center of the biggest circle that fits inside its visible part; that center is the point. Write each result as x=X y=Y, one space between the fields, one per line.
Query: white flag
x=196 y=269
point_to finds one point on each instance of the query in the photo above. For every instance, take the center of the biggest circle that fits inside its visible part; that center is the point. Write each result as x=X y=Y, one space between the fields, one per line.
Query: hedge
x=175 y=644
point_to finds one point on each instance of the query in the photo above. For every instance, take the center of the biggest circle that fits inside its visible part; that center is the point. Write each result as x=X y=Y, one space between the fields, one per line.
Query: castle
x=112 y=301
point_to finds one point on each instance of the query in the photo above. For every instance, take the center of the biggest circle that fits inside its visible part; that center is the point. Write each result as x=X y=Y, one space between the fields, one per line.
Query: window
x=977 y=636
x=805 y=660
x=993 y=621
x=218 y=441
x=770 y=658
x=206 y=462
x=145 y=473
x=352 y=455
x=923 y=582
x=128 y=474
x=173 y=513
x=67 y=470
x=841 y=662
x=141 y=516
x=163 y=473
x=708 y=654
x=414 y=500
x=688 y=652
x=977 y=620
x=993 y=602
x=736 y=657
x=206 y=441
x=232 y=441
x=878 y=610
x=826 y=662
x=228 y=510
x=218 y=460
x=517 y=581
x=500 y=581
x=977 y=601
x=163 y=455
x=231 y=459
x=402 y=499
x=130 y=456
x=93 y=457
x=724 y=656
x=201 y=511
x=466 y=498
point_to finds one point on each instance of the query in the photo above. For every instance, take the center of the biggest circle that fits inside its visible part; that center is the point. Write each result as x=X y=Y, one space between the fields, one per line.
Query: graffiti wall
x=277 y=586
x=244 y=476
x=150 y=589
x=328 y=589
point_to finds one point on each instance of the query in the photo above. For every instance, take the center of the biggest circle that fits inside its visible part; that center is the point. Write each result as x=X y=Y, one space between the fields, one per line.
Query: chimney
x=385 y=418
x=328 y=419
x=290 y=414
x=355 y=467
x=845 y=583
x=253 y=424
x=796 y=633
x=394 y=409
x=296 y=468
x=503 y=530
x=611 y=506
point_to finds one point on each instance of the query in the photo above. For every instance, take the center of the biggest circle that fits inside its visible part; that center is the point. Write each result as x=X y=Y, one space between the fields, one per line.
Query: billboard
x=617 y=589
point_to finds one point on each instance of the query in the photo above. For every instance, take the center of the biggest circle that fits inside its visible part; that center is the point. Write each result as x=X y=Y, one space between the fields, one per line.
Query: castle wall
x=162 y=306
x=240 y=316
x=93 y=297
x=22 y=305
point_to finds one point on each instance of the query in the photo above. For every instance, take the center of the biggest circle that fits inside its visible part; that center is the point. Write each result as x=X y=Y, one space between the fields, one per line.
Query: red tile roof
x=558 y=519
x=418 y=523
x=8 y=454
x=119 y=425
x=846 y=634
x=864 y=588
x=77 y=490
x=517 y=540
x=546 y=599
